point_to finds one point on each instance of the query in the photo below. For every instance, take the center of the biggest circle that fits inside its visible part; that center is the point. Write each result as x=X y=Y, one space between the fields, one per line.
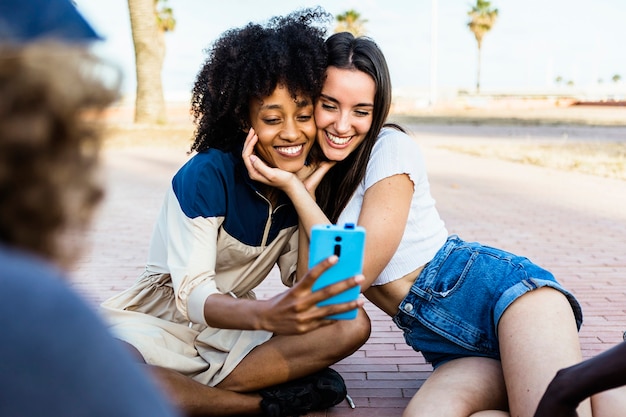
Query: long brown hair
x=361 y=53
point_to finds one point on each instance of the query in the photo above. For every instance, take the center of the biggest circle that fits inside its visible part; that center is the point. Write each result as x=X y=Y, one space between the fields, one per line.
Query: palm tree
x=482 y=19
x=350 y=21
x=616 y=78
x=149 y=24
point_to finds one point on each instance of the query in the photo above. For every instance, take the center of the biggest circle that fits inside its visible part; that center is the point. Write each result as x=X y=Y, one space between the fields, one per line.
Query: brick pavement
x=574 y=224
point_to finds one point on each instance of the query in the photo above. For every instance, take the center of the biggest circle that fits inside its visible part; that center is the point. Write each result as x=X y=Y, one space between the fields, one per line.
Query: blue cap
x=29 y=20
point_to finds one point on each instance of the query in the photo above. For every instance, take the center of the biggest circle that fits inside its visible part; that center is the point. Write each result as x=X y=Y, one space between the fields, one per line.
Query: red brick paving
x=573 y=224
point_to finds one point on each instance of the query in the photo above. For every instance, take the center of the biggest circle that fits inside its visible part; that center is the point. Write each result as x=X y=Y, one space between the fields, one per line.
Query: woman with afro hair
x=192 y=316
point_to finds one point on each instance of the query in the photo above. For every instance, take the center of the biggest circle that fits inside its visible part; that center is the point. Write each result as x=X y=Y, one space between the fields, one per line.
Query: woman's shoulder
x=207 y=173
x=392 y=141
x=394 y=152
x=215 y=158
x=207 y=165
x=390 y=133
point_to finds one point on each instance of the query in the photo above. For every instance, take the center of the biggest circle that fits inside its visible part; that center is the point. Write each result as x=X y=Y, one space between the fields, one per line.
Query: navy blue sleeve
x=201 y=184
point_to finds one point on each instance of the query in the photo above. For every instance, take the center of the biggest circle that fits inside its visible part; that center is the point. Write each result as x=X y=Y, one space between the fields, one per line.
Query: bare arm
x=384 y=214
x=572 y=385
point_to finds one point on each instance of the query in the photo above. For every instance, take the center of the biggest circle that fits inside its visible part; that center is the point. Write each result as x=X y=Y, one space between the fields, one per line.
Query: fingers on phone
x=338 y=287
x=335 y=309
x=315 y=272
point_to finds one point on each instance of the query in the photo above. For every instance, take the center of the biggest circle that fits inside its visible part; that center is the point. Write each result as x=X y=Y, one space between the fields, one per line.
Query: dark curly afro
x=249 y=62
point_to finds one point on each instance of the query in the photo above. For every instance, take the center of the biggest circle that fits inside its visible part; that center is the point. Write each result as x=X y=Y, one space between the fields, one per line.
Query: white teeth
x=289 y=150
x=337 y=140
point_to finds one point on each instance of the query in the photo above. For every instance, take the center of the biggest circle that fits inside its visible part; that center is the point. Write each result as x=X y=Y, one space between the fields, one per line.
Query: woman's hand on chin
x=259 y=170
x=311 y=175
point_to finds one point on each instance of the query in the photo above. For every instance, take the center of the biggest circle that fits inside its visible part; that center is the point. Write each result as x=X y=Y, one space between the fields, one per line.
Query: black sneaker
x=319 y=391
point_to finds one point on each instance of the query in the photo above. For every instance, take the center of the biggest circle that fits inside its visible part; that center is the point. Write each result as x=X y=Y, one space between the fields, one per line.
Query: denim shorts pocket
x=452 y=272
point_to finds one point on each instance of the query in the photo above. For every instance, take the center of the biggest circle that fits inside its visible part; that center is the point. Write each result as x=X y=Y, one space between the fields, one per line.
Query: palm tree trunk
x=478 y=69
x=149 y=45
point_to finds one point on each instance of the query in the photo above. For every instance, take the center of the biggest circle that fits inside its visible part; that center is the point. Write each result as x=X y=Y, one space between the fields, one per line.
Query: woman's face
x=344 y=112
x=285 y=128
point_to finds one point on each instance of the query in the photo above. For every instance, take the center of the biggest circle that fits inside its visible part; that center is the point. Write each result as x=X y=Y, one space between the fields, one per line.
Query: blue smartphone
x=348 y=243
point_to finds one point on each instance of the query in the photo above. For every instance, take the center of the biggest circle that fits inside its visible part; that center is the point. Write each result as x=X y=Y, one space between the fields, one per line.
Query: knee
x=363 y=326
x=352 y=334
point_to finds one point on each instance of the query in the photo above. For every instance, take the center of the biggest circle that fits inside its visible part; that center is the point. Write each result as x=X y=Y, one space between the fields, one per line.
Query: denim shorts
x=454 y=306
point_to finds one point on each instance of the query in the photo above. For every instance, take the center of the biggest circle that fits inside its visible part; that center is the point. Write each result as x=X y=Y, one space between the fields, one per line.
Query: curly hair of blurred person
x=49 y=142
x=235 y=73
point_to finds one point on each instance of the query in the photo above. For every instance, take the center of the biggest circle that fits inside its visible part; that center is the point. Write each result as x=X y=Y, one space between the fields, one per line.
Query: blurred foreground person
x=58 y=358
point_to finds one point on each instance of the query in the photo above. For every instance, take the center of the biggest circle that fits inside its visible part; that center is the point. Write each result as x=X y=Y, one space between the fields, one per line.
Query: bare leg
x=280 y=359
x=459 y=388
x=196 y=399
x=610 y=403
x=284 y=358
x=537 y=336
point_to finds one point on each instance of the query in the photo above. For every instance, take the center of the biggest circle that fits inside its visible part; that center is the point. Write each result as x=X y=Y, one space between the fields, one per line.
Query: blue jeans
x=455 y=304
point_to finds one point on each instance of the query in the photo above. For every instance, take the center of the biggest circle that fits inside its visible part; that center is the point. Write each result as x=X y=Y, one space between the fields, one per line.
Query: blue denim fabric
x=455 y=304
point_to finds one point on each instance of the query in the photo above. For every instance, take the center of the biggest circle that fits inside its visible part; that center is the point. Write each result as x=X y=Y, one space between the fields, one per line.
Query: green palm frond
x=165 y=16
x=351 y=21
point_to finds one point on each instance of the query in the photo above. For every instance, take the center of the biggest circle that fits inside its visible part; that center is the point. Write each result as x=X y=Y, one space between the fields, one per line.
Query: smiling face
x=285 y=128
x=344 y=112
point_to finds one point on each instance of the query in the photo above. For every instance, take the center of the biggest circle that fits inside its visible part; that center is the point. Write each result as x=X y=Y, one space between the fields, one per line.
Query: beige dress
x=197 y=250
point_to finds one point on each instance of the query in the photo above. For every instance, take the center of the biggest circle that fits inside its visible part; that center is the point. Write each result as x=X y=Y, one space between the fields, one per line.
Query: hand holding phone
x=348 y=243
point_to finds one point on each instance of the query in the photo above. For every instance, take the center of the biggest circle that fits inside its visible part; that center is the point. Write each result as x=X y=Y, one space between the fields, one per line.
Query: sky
x=532 y=42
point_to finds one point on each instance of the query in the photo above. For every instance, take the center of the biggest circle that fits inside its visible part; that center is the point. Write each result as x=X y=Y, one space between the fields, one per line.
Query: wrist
x=258 y=321
x=294 y=187
x=566 y=388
